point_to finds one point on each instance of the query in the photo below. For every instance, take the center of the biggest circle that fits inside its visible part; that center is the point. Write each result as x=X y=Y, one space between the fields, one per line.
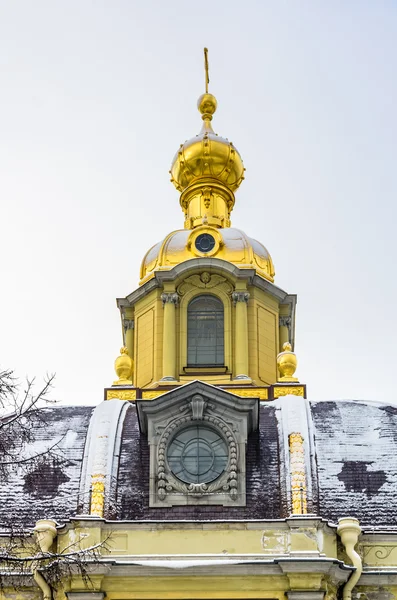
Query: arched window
x=205 y=332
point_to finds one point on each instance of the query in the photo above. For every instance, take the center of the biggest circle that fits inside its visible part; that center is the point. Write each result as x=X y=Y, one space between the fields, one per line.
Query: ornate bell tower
x=207 y=307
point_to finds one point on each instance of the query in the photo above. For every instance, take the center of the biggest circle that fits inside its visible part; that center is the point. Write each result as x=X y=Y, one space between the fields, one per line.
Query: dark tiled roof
x=356 y=448
x=263 y=478
x=48 y=486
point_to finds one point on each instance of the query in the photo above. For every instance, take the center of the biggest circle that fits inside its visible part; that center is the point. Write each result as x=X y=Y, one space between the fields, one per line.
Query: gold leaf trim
x=286 y=391
x=298 y=474
x=261 y=393
x=150 y=395
x=121 y=394
x=97 y=495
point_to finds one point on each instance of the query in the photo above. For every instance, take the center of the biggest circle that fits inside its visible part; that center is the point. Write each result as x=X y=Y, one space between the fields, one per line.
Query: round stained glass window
x=197 y=455
x=205 y=242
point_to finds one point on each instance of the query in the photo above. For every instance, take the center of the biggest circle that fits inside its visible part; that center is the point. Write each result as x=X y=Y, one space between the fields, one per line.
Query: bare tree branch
x=23 y=412
x=19 y=418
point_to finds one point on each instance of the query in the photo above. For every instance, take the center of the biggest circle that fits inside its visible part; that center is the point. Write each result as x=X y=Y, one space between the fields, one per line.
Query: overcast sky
x=96 y=98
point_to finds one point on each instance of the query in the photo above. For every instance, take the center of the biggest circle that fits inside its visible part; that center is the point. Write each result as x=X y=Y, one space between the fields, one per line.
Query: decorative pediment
x=177 y=400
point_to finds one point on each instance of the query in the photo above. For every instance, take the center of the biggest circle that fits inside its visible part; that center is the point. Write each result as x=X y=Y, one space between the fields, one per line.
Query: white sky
x=96 y=98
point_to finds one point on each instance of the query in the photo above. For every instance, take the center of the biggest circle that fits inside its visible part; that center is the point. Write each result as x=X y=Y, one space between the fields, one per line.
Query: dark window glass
x=205 y=242
x=197 y=455
x=205 y=335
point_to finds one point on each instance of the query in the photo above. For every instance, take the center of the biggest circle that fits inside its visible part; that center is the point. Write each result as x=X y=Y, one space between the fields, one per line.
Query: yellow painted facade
x=299 y=557
x=249 y=560
x=148 y=339
x=263 y=319
x=251 y=337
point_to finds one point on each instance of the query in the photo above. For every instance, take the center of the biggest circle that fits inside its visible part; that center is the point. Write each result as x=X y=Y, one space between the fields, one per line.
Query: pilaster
x=240 y=301
x=170 y=301
x=284 y=331
x=128 y=325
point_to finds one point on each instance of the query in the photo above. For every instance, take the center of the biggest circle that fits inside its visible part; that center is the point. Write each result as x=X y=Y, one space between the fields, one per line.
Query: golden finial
x=207 y=102
x=287 y=363
x=124 y=367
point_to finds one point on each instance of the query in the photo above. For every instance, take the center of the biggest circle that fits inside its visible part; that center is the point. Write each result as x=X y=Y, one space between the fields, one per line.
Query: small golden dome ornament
x=207 y=105
x=124 y=367
x=286 y=364
x=207 y=158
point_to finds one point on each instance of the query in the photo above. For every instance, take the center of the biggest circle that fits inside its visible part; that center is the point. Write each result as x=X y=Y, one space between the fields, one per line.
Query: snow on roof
x=47 y=485
x=352 y=446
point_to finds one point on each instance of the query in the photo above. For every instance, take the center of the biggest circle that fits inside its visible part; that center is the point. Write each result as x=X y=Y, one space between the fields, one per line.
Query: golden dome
x=207 y=170
x=207 y=155
x=229 y=244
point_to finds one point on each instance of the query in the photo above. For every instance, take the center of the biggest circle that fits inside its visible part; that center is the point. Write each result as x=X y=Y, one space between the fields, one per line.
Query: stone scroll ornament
x=167 y=483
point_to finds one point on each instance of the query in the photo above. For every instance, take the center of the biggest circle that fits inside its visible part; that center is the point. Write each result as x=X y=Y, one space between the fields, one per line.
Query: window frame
x=198 y=427
x=214 y=349
x=224 y=297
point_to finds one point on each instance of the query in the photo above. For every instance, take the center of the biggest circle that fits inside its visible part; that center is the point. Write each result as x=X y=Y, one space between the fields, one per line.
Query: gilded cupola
x=207 y=170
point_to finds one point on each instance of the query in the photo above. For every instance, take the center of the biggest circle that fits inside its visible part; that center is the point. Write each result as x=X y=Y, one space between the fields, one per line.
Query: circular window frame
x=214 y=233
x=196 y=425
x=201 y=239
x=168 y=483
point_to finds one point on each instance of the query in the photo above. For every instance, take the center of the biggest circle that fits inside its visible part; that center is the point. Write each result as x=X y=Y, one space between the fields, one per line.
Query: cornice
x=212 y=265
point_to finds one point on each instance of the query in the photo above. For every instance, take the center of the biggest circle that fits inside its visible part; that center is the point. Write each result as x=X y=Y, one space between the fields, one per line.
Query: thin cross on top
x=207 y=77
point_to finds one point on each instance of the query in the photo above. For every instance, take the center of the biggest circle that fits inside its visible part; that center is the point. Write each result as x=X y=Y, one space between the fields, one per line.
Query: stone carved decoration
x=167 y=483
x=197 y=407
x=128 y=324
x=169 y=298
x=205 y=281
x=381 y=552
x=240 y=297
x=284 y=322
x=198 y=404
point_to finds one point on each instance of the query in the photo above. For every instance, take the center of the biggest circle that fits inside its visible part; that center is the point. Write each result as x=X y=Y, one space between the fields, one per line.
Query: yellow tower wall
x=263 y=332
x=148 y=339
x=263 y=312
x=253 y=332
